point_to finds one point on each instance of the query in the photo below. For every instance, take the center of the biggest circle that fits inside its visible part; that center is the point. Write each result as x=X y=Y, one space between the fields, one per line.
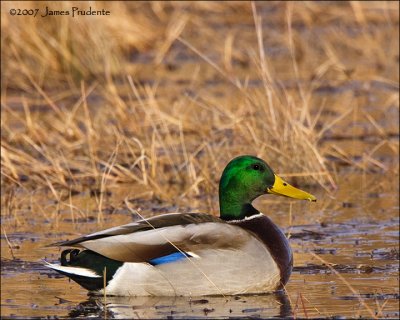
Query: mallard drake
x=195 y=254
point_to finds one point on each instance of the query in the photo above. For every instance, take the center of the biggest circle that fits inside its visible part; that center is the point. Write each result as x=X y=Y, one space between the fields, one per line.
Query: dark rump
x=90 y=260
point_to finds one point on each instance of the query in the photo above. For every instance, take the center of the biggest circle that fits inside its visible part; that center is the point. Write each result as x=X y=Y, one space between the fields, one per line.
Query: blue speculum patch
x=173 y=257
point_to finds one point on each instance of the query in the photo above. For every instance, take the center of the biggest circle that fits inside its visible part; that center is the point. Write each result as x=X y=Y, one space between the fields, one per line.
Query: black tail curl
x=73 y=254
x=89 y=260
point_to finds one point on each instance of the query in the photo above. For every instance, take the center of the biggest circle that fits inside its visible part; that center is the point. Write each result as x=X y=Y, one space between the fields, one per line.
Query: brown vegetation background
x=163 y=94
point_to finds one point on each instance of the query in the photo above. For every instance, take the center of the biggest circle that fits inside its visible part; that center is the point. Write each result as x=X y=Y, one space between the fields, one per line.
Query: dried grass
x=78 y=113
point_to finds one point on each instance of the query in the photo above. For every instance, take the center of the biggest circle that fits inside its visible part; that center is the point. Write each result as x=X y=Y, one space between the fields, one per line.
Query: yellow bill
x=282 y=188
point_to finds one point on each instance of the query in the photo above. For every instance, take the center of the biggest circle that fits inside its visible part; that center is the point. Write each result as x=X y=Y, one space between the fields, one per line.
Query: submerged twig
x=362 y=301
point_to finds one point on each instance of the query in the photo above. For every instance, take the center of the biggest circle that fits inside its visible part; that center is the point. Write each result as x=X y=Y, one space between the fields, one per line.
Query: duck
x=192 y=254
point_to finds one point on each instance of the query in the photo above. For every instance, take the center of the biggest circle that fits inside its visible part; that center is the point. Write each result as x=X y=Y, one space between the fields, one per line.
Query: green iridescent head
x=246 y=178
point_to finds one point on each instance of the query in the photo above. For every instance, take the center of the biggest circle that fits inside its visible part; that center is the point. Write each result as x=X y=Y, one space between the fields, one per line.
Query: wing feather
x=144 y=240
x=165 y=220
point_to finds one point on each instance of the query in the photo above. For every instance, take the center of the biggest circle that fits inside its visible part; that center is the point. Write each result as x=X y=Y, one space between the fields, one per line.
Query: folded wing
x=160 y=236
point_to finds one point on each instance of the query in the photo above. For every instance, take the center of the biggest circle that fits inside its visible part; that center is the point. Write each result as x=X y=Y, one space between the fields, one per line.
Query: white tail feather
x=84 y=272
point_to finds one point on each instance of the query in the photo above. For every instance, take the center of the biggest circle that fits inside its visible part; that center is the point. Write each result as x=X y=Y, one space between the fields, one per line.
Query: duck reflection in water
x=150 y=307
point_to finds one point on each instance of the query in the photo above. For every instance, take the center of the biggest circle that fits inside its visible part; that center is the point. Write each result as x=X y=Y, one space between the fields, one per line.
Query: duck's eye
x=256 y=167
